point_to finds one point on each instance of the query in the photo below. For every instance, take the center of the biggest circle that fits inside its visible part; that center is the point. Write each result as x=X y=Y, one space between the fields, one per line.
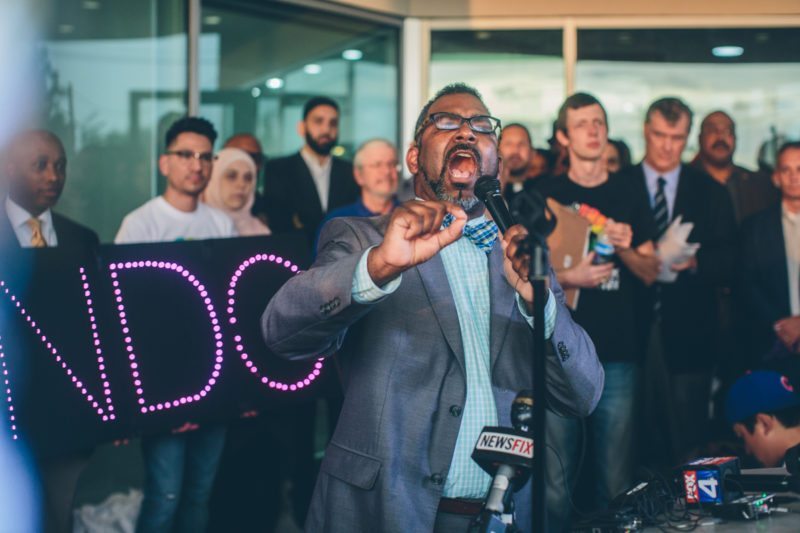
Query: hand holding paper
x=674 y=250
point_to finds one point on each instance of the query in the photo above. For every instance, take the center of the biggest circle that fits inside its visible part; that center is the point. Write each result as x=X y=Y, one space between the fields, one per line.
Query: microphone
x=487 y=190
x=506 y=454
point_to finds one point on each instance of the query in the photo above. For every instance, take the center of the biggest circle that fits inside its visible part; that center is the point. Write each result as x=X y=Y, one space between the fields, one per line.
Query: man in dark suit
x=680 y=316
x=301 y=188
x=35 y=172
x=34 y=175
x=770 y=281
x=438 y=338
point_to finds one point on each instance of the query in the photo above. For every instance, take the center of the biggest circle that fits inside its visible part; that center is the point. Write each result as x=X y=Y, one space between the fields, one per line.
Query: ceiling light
x=66 y=28
x=255 y=92
x=212 y=20
x=312 y=68
x=274 y=83
x=352 y=55
x=727 y=51
x=91 y=4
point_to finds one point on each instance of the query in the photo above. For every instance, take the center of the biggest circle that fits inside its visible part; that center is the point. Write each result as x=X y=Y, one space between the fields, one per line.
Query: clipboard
x=568 y=244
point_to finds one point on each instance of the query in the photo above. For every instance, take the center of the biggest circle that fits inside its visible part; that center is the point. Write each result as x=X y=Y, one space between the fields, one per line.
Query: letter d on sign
x=178 y=270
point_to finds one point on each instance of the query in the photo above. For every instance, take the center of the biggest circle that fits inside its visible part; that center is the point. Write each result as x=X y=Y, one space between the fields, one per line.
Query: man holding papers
x=696 y=234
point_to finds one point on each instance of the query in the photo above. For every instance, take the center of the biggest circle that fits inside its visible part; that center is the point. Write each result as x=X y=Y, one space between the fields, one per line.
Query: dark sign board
x=142 y=338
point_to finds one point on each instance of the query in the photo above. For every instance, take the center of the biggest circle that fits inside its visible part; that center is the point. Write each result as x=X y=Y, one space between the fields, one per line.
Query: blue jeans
x=179 y=476
x=612 y=455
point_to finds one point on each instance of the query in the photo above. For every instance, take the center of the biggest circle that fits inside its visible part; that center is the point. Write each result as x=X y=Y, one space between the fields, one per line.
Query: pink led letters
x=106 y=411
x=102 y=403
x=271 y=383
x=212 y=314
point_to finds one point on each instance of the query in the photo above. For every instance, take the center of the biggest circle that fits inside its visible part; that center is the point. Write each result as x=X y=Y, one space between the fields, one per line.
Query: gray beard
x=437 y=186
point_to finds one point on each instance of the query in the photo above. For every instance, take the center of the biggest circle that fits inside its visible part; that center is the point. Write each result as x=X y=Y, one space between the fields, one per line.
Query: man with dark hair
x=750 y=192
x=34 y=175
x=437 y=338
x=299 y=189
x=770 y=283
x=606 y=301
x=763 y=408
x=679 y=313
x=516 y=150
x=180 y=467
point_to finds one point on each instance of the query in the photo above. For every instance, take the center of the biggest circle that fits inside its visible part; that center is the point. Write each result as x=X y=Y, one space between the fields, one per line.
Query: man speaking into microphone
x=432 y=315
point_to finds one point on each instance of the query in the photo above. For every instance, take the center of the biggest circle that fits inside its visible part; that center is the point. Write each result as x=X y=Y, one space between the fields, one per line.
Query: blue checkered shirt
x=467 y=269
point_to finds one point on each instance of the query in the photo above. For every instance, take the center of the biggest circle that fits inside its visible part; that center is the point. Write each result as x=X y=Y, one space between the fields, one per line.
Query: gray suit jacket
x=403 y=365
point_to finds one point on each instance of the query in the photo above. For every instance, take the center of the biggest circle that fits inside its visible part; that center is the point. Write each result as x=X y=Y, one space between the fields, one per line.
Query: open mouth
x=462 y=165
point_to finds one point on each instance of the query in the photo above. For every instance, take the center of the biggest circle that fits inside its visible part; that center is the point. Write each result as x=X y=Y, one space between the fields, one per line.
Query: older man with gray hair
x=375 y=169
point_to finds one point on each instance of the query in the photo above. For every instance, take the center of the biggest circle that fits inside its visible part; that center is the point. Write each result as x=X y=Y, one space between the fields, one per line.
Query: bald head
x=35 y=170
x=249 y=143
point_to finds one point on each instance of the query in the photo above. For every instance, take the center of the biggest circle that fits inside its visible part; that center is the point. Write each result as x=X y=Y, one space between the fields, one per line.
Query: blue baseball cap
x=760 y=391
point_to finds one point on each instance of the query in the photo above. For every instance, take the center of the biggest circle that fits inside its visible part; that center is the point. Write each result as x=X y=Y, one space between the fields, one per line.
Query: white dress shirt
x=321 y=173
x=791 y=240
x=19 y=221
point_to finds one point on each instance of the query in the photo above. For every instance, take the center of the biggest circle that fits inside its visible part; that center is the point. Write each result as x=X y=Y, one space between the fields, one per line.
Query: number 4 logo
x=709 y=486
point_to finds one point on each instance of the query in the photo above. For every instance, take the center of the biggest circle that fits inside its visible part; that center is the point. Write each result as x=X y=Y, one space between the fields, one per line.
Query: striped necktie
x=660 y=209
x=37 y=239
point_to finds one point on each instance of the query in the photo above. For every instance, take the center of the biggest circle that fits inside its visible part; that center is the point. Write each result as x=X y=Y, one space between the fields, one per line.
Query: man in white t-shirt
x=180 y=468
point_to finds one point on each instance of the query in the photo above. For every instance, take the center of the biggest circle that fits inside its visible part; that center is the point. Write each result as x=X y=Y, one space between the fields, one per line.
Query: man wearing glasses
x=438 y=337
x=180 y=468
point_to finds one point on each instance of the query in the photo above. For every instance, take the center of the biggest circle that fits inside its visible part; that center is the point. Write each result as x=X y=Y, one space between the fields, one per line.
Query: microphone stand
x=530 y=212
x=537 y=276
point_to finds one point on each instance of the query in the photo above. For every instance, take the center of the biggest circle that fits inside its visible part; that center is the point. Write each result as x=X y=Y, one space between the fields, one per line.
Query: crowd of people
x=675 y=321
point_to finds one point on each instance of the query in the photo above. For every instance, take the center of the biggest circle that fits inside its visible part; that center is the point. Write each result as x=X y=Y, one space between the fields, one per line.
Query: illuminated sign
x=172 y=329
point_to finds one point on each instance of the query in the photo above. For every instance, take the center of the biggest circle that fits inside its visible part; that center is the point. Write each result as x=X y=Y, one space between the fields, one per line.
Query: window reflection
x=260 y=65
x=520 y=73
x=628 y=69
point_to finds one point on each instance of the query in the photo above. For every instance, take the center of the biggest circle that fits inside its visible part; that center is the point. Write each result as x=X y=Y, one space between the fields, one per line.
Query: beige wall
x=529 y=8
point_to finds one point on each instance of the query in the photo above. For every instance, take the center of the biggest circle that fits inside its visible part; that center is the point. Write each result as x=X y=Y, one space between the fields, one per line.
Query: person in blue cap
x=764 y=409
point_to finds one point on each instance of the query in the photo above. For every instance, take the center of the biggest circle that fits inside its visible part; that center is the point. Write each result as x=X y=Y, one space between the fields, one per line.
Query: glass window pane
x=260 y=63
x=756 y=80
x=520 y=73
x=111 y=76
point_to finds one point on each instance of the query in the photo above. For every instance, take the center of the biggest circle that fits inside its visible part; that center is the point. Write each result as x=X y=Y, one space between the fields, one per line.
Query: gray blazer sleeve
x=309 y=316
x=575 y=375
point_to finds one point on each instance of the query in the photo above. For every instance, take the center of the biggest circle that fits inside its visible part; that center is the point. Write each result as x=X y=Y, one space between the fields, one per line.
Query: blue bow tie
x=482 y=234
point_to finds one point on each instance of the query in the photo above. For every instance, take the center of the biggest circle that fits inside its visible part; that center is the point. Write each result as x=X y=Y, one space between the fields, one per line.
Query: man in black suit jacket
x=34 y=174
x=770 y=274
x=301 y=188
x=680 y=317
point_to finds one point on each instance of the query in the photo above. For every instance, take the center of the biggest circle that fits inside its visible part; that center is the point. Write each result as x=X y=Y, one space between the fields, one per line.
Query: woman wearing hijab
x=232 y=189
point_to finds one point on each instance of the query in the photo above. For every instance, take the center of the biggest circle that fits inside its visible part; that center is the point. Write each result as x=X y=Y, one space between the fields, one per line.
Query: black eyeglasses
x=450 y=121
x=187 y=155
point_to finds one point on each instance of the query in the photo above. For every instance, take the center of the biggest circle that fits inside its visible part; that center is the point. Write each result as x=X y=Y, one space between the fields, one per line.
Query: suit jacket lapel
x=775 y=246
x=434 y=281
x=682 y=194
x=503 y=300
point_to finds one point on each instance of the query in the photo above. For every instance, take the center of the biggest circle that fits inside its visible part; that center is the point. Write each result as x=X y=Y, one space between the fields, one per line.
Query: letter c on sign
x=232 y=320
